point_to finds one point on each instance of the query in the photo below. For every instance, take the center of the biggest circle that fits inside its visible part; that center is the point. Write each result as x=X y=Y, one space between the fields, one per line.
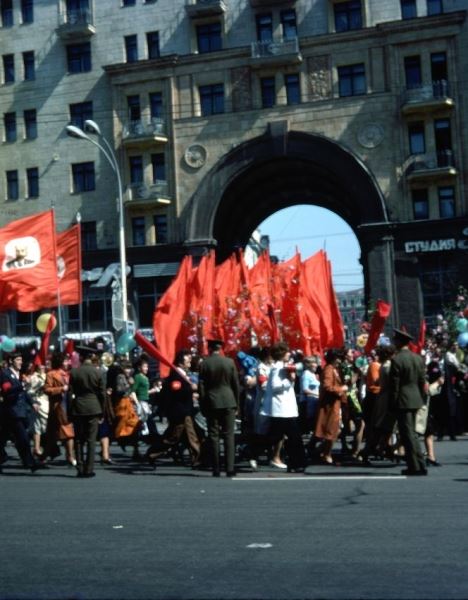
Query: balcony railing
x=276 y=51
x=150 y=131
x=75 y=23
x=432 y=165
x=205 y=8
x=429 y=96
x=144 y=193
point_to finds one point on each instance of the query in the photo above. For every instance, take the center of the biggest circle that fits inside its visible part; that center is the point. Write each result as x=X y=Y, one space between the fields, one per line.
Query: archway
x=281 y=169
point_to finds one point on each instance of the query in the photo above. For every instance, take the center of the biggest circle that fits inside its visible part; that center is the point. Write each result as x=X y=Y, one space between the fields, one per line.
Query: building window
x=209 y=37
x=264 y=28
x=160 y=229
x=12 y=185
x=136 y=169
x=156 y=105
x=416 y=136
x=211 y=99
x=9 y=121
x=83 y=177
x=30 y=124
x=88 y=235
x=8 y=68
x=443 y=142
x=268 y=89
x=420 y=204
x=159 y=167
x=293 y=91
x=439 y=71
x=32 y=176
x=81 y=112
x=134 y=109
x=352 y=80
x=128 y=2
x=288 y=24
x=446 y=202
x=348 y=15
x=29 y=68
x=138 y=231
x=408 y=9
x=27 y=11
x=7 y=13
x=434 y=7
x=79 y=57
x=413 y=74
x=131 y=48
x=152 y=43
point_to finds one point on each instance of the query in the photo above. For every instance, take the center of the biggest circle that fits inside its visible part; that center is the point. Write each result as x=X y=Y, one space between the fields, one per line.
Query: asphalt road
x=335 y=532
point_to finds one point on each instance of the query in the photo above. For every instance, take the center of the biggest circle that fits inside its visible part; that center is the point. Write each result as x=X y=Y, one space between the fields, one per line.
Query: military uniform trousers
x=406 y=426
x=86 y=430
x=222 y=421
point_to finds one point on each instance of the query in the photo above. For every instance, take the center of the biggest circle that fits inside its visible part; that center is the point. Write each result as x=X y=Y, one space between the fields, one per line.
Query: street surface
x=335 y=532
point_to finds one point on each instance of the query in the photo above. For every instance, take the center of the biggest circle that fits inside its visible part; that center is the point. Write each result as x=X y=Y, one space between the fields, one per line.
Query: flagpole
x=59 y=312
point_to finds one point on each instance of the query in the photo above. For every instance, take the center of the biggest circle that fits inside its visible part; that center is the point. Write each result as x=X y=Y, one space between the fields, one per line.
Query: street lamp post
x=92 y=127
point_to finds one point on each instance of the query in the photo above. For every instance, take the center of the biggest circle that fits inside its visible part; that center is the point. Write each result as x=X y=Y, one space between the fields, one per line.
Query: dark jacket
x=218 y=384
x=407 y=381
x=17 y=404
x=177 y=394
x=87 y=390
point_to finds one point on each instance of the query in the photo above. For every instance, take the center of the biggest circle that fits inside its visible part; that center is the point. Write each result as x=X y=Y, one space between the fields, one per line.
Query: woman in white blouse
x=279 y=403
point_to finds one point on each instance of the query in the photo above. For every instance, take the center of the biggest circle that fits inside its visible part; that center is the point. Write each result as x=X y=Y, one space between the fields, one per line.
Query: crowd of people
x=271 y=407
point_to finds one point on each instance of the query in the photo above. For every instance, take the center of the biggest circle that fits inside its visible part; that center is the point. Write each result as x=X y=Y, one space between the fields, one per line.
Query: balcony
x=74 y=24
x=275 y=53
x=268 y=3
x=427 y=98
x=141 y=134
x=142 y=194
x=205 y=8
x=429 y=167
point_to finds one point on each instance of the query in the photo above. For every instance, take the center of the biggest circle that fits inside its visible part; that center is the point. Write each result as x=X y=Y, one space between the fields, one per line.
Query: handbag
x=422 y=415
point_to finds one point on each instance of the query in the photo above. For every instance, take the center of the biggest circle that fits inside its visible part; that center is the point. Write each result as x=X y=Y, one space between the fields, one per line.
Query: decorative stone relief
x=371 y=135
x=319 y=77
x=241 y=89
x=195 y=156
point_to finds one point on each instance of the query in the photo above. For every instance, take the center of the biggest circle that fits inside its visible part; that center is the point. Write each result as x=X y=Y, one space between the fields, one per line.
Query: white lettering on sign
x=430 y=246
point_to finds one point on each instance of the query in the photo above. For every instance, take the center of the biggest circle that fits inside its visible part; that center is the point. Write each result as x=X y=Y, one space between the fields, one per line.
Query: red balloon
x=465 y=312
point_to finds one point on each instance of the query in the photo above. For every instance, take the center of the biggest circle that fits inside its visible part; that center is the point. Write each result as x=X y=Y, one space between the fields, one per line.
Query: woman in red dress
x=332 y=395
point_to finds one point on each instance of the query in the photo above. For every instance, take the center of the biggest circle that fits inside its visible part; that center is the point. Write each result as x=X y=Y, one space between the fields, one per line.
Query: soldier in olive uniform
x=219 y=402
x=407 y=390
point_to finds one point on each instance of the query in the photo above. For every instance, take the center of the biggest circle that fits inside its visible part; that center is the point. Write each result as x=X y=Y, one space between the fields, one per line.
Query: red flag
x=69 y=265
x=151 y=349
x=381 y=313
x=171 y=308
x=28 y=267
x=419 y=346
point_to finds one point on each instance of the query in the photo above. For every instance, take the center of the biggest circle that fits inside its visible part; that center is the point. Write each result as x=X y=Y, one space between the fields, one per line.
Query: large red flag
x=201 y=309
x=171 y=308
x=419 y=346
x=382 y=310
x=261 y=308
x=28 y=264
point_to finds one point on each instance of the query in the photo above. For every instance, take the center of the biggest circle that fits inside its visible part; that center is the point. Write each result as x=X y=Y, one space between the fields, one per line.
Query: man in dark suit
x=219 y=402
x=87 y=389
x=407 y=390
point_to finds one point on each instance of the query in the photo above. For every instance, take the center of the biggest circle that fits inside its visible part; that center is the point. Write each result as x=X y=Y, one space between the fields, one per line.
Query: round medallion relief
x=371 y=135
x=195 y=156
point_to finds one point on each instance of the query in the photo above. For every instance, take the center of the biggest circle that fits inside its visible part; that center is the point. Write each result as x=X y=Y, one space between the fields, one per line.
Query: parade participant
x=407 y=389
x=219 y=403
x=142 y=390
x=351 y=410
x=17 y=409
x=35 y=387
x=309 y=394
x=87 y=389
x=59 y=426
x=332 y=396
x=279 y=403
x=127 y=423
x=179 y=410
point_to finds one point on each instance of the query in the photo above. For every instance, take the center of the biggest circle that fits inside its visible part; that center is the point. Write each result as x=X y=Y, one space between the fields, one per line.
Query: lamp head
x=92 y=127
x=74 y=131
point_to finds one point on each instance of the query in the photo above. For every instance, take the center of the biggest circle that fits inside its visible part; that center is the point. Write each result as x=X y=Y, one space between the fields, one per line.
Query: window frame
x=267 y=85
x=82 y=58
x=7 y=14
x=409 y=9
x=266 y=27
x=419 y=214
x=30 y=122
x=351 y=14
x=27 y=12
x=83 y=177
x=292 y=84
x=350 y=73
x=88 y=232
x=437 y=11
x=10 y=127
x=80 y=112
x=210 y=95
x=29 y=65
x=131 y=48
x=161 y=229
x=152 y=42
x=451 y=198
x=288 y=25
x=413 y=71
x=138 y=229
x=158 y=167
x=416 y=135
x=32 y=182
x=9 y=75
x=12 y=183
x=209 y=37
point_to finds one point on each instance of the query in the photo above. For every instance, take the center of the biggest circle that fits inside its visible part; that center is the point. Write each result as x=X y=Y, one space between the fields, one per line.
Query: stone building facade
x=220 y=113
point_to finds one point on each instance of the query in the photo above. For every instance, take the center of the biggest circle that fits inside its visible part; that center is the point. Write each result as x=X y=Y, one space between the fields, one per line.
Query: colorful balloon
x=126 y=343
x=462 y=339
x=42 y=322
x=461 y=325
x=8 y=345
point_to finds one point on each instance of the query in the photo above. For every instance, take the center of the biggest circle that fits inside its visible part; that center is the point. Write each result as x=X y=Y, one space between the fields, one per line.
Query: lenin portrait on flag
x=21 y=253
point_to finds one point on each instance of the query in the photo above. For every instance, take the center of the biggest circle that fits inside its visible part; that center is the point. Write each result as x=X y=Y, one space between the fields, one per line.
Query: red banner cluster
x=293 y=301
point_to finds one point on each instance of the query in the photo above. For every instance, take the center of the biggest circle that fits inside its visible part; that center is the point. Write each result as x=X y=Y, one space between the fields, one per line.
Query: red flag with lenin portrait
x=28 y=263
x=69 y=265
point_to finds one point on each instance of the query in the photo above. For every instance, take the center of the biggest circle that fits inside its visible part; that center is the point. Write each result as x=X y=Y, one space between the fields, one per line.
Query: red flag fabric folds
x=28 y=265
x=379 y=317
